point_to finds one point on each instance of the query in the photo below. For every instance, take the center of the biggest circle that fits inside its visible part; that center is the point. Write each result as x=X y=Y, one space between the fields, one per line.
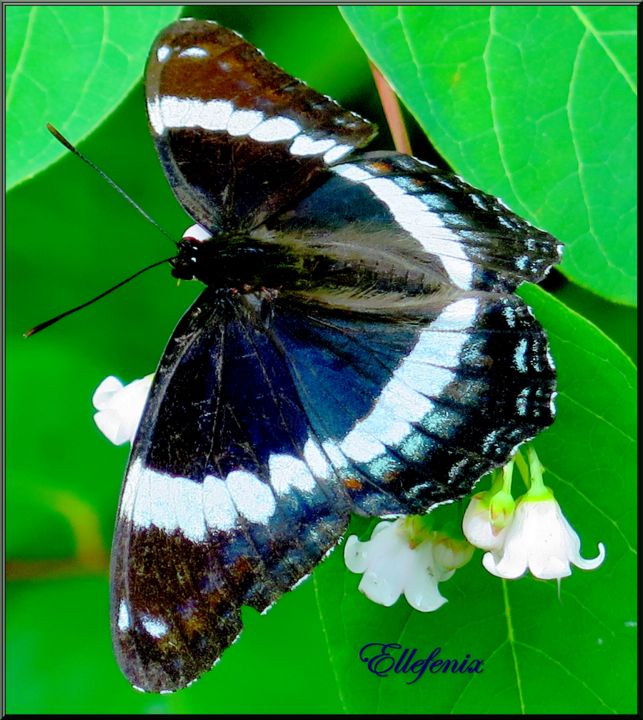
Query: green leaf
x=69 y=66
x=542 y=653
x=536 y=105
x=617 y=321
x=61 y=655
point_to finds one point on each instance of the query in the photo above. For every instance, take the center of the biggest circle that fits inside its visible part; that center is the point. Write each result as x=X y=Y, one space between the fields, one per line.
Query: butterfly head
x=191 y=247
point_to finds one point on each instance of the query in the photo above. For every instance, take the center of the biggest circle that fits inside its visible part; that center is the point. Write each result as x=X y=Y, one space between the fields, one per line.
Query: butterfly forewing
x=227 y=123
x=228 y=500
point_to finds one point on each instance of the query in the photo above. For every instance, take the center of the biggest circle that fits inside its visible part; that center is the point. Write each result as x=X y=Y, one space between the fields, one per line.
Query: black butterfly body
x=357 y=348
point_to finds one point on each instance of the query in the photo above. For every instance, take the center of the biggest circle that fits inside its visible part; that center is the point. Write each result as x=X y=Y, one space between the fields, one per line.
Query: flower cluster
x=528 y=534
x=535 y=536
x=402 y=558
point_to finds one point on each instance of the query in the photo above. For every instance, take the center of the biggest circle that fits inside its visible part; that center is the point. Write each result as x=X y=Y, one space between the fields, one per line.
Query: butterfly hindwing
x=413 y=410
x=228 y=498
x=226 y=122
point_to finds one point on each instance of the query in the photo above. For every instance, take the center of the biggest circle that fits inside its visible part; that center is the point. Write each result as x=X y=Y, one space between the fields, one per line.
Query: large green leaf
x=536 y=105
x=541 y=652
x=69 y=66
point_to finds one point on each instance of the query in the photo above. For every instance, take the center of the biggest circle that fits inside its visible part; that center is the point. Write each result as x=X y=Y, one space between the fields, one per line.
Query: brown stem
x=392 y=112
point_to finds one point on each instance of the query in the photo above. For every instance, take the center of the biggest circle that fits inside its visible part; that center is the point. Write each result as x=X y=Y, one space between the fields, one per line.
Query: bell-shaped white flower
x=489 y=512
x=120 y=407
x=540 y=539
x=477 y=525
x=451 y=554
x=393 y=563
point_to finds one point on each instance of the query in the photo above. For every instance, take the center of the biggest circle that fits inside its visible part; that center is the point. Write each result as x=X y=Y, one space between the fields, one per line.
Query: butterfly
x=357 y=348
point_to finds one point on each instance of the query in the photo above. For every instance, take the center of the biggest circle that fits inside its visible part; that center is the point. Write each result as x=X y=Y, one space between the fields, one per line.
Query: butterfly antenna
x=63 y=140
x=53 y=320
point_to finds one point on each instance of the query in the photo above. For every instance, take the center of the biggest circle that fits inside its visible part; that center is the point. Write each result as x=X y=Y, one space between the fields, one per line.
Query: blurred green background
x=69 y=236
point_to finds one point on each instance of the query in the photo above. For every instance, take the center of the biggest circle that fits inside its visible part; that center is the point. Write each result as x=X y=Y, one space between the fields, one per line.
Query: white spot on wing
x=173 y=112
x=460 y=271
x=334 y=454
x=521 y=402
x=520 y=356
x=303 y=145
x=218 y=508
x=552 y=403
x=550 y=360
x=455 y=469
x=275 y=129
x=424 y=377
x=126 y=509
x=360 y=446
x=336 y=153
x=163 y=53
x=489 y=441
x=437 y=349
x=316 y=460
x=124 y=621
x=352 y=172
x=215 y=114
x=169 y=503
x=288 y=472
x=478 y=201
x=254 y=499
x=154 y=115
x=179 y=112
x=399 y=400
x=194 y=52
x=155 y=626
x=459 y=315
x=241 y=122
x=509 y=314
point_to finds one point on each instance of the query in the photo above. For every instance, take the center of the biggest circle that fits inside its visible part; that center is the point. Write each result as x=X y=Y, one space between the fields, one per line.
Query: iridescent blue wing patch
x=413 y=409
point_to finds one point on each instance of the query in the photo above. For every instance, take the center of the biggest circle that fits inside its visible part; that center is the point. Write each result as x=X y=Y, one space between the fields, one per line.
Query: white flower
x=120 y=407
x=477 y=526
x=539 y=538
x=392 y=564
x=451 y=554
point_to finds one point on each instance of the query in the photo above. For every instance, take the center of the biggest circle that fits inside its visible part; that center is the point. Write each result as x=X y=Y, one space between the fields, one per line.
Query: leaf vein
x=23 y=52
x=598 y=36
x=494 y=110
x=512 y=644
x=327 y=640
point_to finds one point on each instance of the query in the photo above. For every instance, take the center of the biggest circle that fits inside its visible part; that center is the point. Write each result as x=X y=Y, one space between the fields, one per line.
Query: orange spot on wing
x=353 y=483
